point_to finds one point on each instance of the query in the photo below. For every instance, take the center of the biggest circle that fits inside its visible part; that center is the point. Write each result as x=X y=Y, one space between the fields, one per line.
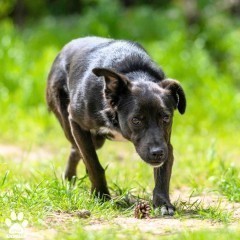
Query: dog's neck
x=112 y=119
x=111 y=129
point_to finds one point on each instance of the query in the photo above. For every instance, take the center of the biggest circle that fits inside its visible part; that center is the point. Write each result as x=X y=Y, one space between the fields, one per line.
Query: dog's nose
x=157 y=153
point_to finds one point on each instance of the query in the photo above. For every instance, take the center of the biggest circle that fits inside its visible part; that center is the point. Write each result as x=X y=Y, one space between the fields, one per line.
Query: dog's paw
x=101 y=193
x=165 y=210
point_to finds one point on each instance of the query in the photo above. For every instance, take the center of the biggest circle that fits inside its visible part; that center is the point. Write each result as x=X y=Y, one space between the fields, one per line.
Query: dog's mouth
x=156 y=164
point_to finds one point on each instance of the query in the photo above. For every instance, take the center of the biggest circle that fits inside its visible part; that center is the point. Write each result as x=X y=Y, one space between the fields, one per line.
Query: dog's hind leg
x=75 y=156
x=73 y=160
x=58 y=101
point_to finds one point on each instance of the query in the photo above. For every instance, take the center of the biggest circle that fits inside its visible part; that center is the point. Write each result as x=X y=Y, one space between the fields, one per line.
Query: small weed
x=230 y=184
x=197 y=209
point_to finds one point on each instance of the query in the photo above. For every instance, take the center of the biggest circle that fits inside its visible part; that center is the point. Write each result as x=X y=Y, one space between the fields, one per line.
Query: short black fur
x=101 y=88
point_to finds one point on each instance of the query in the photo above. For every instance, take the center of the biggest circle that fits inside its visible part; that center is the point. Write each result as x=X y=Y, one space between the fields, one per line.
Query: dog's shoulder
x=124 y=56
x=134 y=58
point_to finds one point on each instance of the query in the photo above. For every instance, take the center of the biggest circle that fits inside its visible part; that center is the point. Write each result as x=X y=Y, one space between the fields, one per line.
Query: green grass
x=207 y=235
x=37 y=189
x=230 y=184
x=117 y=233
x=197 y=209
x=204 y=139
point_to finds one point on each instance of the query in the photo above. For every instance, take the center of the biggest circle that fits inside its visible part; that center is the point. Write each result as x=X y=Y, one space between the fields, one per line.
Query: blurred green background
x=196 y=42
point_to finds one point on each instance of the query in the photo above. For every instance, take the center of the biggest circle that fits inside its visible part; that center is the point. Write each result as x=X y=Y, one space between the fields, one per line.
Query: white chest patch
x=109 y=133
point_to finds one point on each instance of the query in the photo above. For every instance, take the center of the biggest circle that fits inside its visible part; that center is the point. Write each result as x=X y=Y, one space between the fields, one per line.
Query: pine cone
x=142 y=210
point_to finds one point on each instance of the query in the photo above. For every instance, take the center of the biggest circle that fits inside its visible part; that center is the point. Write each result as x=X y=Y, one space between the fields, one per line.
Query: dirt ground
x=156 y=226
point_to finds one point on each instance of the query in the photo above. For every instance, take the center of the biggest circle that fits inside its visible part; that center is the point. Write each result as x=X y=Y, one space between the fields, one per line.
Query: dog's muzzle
x=156 y=156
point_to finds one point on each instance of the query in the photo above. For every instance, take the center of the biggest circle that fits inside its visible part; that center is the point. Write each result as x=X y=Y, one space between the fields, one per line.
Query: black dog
x=102 y=88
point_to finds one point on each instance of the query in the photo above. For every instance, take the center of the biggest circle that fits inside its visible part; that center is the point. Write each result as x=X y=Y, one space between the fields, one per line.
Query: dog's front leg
x=95 y=170
x=162 y=177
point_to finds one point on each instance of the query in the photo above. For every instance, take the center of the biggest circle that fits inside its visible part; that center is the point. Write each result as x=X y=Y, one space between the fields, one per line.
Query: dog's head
x=145 y=111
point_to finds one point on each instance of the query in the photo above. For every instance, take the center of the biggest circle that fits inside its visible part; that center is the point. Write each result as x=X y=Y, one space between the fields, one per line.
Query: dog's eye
x=136 y=121
x=166 y=119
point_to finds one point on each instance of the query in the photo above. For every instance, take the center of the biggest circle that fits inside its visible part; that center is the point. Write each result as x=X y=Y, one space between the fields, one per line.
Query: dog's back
x=122 y=55
x=73 y=66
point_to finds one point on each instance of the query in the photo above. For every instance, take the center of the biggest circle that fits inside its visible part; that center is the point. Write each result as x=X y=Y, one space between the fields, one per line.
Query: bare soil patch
x=19 y=154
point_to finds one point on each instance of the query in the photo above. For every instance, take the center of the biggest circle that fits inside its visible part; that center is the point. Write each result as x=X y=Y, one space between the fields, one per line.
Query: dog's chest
x=109 y=134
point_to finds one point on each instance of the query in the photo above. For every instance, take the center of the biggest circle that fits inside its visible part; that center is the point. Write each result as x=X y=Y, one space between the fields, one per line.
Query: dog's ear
x=177 y=92
x=116 y=83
